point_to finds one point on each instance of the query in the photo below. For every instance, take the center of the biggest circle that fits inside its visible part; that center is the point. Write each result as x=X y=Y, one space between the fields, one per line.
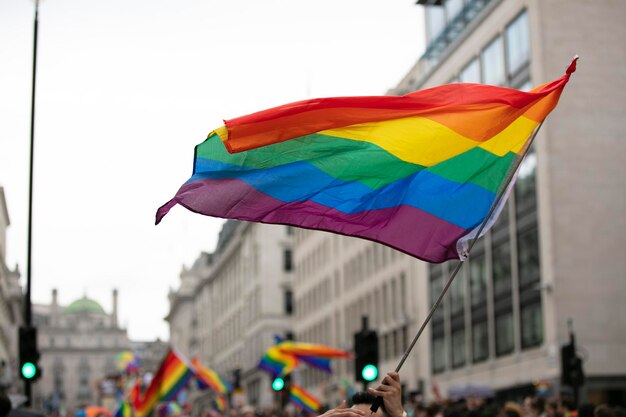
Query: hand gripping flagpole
x=379 y=400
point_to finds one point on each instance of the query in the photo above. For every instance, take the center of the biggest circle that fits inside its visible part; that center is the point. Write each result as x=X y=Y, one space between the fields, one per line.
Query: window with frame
x=526 y=184
x=531 y=318
x=480 y=341
x=493 y=63
x=458 y=347
x=504 y=333
x=438 y=354
x=436 y=286
x=501 y=266
x=478 y=279
x=528 y=256
x=517 y=44
x=471 y=72
x=287 y=260
x=457 y=291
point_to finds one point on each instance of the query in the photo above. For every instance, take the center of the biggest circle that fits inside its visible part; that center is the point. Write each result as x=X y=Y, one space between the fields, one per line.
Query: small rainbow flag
x=277 y=363
x=220 y=403
x=303 y=399
x=419 y=173
x=125 y=410
x=169 y=380
x=208 y=378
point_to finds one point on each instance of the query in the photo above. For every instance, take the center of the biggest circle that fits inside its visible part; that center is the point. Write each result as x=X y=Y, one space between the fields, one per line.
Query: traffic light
x=365 y=355
x=278 y=384
x=282 y=387
x=571 y=366
x=29 y=354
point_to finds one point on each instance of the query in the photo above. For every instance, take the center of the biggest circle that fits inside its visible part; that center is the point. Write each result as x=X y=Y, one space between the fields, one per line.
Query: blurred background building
x=232 y=302
x=78 y=345
x=11 y=308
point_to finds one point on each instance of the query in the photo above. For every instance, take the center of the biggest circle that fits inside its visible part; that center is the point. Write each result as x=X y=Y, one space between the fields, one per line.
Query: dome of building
x=84 y=305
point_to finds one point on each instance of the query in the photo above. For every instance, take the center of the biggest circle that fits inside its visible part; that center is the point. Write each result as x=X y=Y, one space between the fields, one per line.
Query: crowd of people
x=562 y=405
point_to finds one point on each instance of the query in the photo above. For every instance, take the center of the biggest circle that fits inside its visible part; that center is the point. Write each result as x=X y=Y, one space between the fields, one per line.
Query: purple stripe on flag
x=405 y=228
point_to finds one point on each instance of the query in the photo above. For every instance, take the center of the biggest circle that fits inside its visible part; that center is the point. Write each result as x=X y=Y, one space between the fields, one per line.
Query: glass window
x=288 y=260
x=502 y=269
x=453 y=8
x=457 y=293
x=493 y=63
x=458 y=348
x=471 y=72
x=436 y=286
x=525 y=186
x=438 y=355
x=288 y=302
x=504 y=333
x=532 y=325
x=478 y=279
x=528 y=249
x=435 y=21
x=517 y=44
x=480 y=341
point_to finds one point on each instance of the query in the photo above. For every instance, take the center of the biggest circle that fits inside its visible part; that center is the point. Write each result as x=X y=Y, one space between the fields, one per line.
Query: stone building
x=11 y=309
x=552 y=256
x=232 y=302
x=78 y=345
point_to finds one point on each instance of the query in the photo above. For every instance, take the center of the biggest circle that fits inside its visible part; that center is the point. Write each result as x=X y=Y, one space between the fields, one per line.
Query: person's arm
x=391 y=392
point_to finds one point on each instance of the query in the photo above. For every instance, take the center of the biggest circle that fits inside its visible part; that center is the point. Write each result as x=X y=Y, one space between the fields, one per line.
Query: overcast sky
x=126 y=89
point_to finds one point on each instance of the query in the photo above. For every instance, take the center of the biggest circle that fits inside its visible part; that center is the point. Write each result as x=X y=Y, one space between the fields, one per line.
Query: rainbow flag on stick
x=419 y=173
x=169 y=380
x=209 y=378
x=303 y=399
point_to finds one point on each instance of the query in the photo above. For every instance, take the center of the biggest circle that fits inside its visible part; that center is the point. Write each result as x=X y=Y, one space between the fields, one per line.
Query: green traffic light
x=278 y=384
x=29 y=370
x=369 y=372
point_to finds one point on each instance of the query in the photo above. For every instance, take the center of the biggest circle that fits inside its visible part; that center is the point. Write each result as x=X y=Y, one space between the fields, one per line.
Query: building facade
x=78 y=345
x=11 y=309
x=338 y=281
x=550 y=259
x=233 y=302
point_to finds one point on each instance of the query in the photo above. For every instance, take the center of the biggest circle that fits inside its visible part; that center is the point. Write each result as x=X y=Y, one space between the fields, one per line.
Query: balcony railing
x=454 y=28
x=438 y=46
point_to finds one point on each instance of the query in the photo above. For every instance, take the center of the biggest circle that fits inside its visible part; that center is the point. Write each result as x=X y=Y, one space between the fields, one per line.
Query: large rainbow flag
x=169 y=380
x=419 y=173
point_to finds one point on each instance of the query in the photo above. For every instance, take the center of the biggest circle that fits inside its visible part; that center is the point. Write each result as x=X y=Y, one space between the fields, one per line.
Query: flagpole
x=379 y=400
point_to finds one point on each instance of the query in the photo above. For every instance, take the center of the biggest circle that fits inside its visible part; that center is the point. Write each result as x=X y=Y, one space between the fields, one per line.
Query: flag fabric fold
x=417 y=172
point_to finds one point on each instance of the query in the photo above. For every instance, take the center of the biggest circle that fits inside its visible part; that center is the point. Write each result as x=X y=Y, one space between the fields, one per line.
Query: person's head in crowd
x=586 y=410
x=603 y=410
x=363 y=400
x=511 y=409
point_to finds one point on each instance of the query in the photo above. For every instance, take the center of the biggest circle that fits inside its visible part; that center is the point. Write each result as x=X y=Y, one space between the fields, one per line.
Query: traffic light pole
x=29 y=275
